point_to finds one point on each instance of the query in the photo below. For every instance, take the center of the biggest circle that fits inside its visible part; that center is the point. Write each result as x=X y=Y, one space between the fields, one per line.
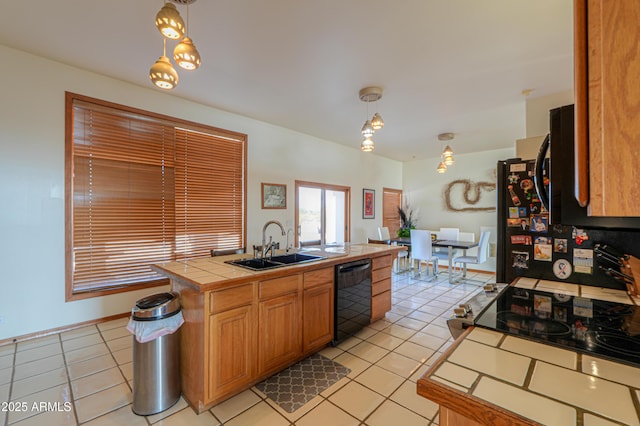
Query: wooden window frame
x=139 y=114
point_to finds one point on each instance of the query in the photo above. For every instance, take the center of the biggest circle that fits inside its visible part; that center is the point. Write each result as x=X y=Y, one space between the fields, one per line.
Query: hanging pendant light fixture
x=370 y=94
x=441 y=167
x=446 y=158
x=162 y=73
x=169 y=22
x=185 y=54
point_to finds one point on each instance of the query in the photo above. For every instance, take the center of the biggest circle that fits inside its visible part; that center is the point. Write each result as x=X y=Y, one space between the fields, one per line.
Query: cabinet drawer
x=380 y=305
x=380 y=274
x=378 y=287
x=223 y=300
x=321 y=276
x=381 y=262
x=279 y=286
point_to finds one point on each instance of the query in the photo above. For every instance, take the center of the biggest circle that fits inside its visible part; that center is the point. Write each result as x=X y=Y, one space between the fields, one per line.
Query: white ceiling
x=445 y=65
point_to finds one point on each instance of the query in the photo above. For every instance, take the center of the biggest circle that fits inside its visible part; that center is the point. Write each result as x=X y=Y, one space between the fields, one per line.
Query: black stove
x=597 y=327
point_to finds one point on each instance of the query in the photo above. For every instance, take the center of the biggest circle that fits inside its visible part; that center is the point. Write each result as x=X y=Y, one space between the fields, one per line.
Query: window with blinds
x=143 y=188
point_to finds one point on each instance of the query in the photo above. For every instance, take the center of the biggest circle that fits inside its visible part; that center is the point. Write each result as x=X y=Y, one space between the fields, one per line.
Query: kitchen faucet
x=287 y=245
x=269 y=247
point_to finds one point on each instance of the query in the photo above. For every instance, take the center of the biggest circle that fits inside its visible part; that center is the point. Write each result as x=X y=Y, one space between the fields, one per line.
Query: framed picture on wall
x=368 y=204
x=274 y=196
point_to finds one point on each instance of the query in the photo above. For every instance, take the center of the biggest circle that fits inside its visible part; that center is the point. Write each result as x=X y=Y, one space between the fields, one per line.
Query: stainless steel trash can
x=156 y=364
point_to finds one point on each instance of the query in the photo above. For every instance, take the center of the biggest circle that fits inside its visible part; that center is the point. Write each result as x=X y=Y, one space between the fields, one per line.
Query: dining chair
x=421 y=250
x=403 y=256
x=452 y=234
x=483 y=254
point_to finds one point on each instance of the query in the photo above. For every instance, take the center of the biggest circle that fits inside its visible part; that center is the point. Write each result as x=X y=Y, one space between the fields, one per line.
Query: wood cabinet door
x=317 y=317
x=380 y=305
x=231 y=355
x=279 y=334
x=613 y=58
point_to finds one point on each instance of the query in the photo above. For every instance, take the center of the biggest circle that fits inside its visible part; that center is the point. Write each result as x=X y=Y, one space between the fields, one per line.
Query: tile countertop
x=209 y=273
x=498 y=379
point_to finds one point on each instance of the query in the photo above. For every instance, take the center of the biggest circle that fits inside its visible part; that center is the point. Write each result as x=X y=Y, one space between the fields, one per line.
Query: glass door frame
x=324 y=187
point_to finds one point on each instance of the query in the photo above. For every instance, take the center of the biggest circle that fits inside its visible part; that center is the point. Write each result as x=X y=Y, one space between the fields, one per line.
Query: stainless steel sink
x=275 y=261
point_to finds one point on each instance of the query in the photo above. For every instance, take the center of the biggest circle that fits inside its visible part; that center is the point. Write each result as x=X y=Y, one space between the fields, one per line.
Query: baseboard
x=62 y=329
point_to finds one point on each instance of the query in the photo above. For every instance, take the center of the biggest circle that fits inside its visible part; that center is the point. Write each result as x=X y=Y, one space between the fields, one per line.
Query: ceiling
x=444 y=65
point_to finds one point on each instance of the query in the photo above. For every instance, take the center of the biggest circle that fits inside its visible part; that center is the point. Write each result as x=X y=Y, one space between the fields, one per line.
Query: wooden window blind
x=144 y=188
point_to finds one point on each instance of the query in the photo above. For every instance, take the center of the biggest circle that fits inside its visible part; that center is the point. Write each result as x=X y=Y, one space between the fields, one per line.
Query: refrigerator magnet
x=562 y=269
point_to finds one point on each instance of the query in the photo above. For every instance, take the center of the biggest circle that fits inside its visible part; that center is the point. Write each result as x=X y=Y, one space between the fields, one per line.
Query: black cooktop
x=592 y=326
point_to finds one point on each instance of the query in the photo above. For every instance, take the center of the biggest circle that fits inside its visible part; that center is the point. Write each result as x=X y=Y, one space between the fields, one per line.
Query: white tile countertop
x=537 y=383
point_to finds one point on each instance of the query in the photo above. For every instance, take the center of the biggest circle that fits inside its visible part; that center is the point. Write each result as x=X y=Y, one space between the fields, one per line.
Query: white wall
x=32 y=182
x=537 y=111
x=425 y=190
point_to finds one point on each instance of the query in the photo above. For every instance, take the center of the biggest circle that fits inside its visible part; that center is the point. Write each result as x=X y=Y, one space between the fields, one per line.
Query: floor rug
x=300 y=383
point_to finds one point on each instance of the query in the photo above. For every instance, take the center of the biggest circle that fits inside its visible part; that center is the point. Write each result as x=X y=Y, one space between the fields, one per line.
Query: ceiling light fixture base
x=370 y=94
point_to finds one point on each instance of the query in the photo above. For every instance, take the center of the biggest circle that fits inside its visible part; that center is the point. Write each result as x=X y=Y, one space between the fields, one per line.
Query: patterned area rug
x=298 y=384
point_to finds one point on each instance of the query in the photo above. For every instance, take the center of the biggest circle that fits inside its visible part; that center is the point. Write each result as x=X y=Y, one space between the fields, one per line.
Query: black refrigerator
x=564 y=244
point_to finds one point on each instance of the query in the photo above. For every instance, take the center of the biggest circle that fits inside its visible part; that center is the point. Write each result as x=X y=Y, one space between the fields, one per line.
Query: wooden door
x=317 y=318
x=610 y=53
x=279 y=340
x=391 y=200
x=231 y=355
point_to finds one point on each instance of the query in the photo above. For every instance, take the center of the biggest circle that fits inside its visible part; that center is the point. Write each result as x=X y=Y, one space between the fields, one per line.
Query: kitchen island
x=490 y=378
x=242 y=326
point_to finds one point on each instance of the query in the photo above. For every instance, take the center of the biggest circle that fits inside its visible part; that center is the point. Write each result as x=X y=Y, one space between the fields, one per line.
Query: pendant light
x=185 y=54
x=446 y=158
x=162 y=73
x=370 y=94
x=441 y=167
x=169 y=22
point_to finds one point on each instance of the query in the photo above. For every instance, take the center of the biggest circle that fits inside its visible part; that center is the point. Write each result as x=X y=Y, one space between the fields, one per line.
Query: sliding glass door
x=322 y=214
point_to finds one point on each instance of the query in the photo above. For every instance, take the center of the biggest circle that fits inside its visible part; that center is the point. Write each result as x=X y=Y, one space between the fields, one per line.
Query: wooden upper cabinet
x=607 y=44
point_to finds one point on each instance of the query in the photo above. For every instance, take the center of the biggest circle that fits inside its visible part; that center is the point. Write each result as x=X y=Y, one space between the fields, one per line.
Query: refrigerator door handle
x=538 y=177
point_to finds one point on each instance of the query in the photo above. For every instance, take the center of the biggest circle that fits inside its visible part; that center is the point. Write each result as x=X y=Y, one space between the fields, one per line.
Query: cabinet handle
x=581 y=111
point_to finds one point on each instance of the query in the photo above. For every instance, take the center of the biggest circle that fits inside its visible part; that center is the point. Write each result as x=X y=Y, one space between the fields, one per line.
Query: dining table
x=450 y=245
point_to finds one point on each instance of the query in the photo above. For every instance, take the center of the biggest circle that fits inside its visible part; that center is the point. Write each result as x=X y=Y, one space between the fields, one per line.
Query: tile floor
x=84 y=376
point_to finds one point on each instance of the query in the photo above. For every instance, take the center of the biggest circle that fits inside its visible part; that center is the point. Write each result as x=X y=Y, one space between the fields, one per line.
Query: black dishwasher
x=352 y=298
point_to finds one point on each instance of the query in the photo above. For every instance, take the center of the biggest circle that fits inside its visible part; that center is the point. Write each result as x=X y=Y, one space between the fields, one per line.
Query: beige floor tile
x=399 y=331
x=427 y=340
x=36 y=353
x=385 y=341
x=349 y=343
x=411 y=323
x=327 y=414
x=78 y=332
x=398 y=364
x=86 y=353
x=103 y=402
x=180 y=405
x=235 y=405
x=125 y=342
x=380 y=324
x=91 y=366
x=82 y=342
x=368 y=352
x=127 y=370
x=40 y=366
x=407 y=396
x=357 y=400
x=115 y=333
x=38 y=383
x=123 y=356
x=96 y=382
x=59 y=394
x=437 y=331
x=188 y=417
x=355 y=364
x=419 y=372
x=335 y=387
x=260 y=414
x=331 y=352
x=414 y=351
x=380 y=380
x=50 y=418
x=422 y=316
x=40 y=341
x=122 y=322
x=391 y=413
x=365 y=333
x=121 y=416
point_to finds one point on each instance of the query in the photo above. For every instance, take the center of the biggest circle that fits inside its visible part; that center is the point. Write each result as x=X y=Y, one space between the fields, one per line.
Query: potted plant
x=408 y=220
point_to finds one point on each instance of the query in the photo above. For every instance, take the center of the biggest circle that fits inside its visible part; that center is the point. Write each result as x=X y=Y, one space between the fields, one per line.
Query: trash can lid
x=156 y=306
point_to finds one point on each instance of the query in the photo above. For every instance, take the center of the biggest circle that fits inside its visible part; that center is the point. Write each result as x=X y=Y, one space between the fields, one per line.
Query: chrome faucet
x=269 y=247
